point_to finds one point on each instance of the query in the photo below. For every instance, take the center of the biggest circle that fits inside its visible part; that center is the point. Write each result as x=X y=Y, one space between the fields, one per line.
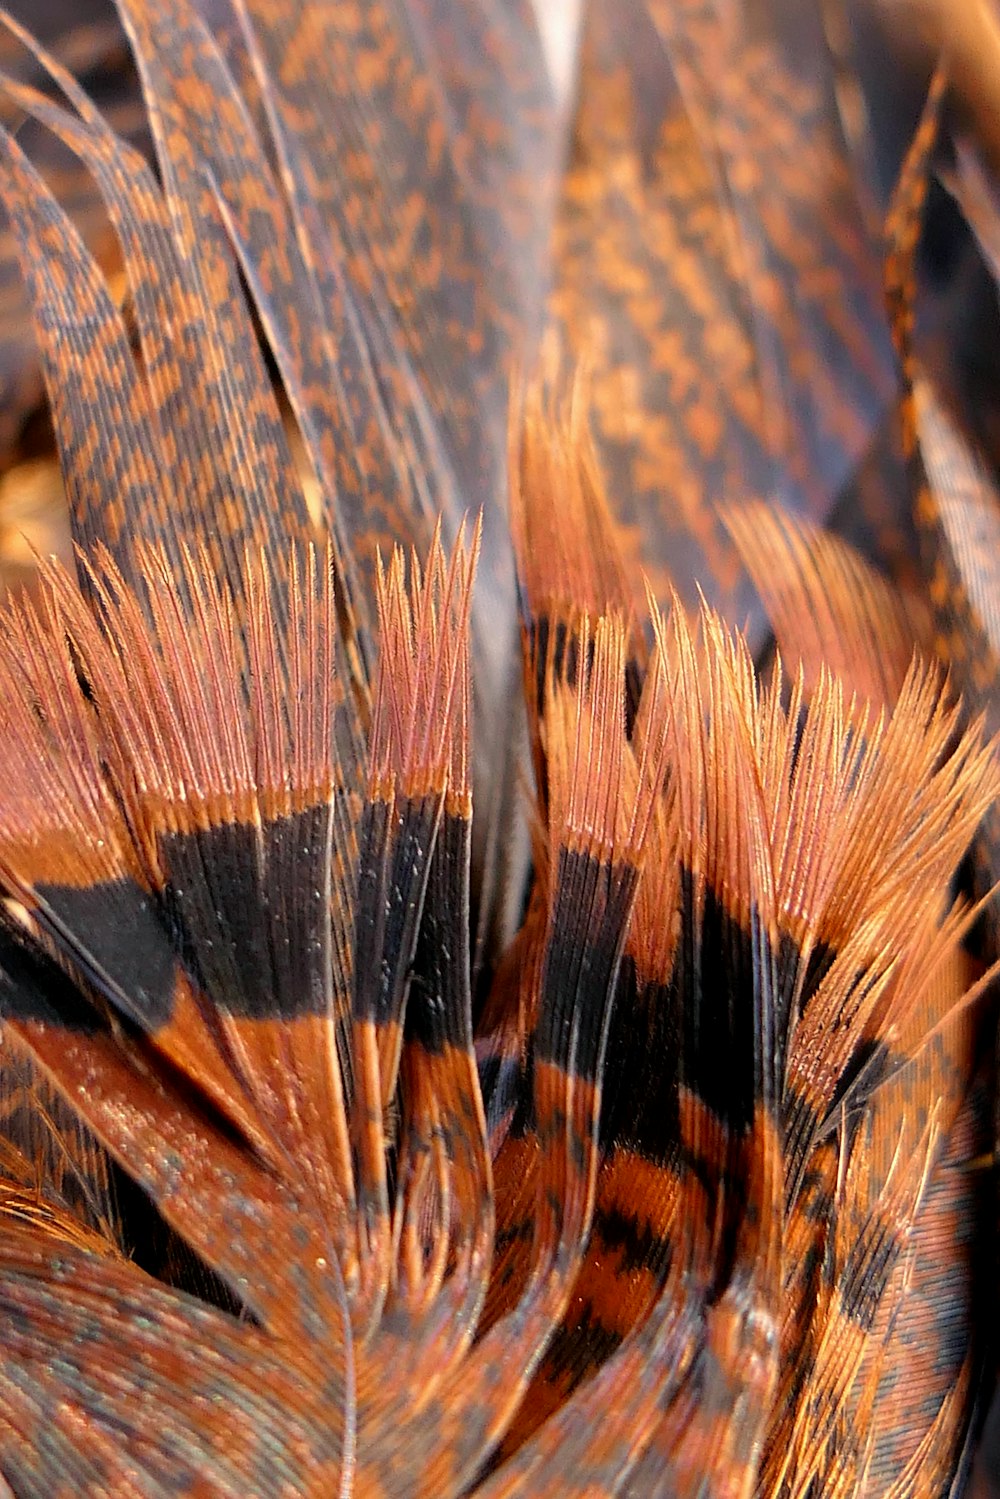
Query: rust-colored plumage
x=497 y=914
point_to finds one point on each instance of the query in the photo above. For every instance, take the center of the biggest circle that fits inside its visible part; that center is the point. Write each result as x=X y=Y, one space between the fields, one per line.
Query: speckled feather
x=285 y=1207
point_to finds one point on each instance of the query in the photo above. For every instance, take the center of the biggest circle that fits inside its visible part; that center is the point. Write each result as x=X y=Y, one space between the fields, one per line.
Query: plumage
x=497 y=915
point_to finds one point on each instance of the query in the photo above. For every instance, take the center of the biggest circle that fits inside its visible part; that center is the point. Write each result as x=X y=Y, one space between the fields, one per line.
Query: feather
x=383 y=1110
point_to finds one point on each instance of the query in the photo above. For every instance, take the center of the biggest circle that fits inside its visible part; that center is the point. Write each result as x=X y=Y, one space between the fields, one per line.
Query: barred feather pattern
x=317 y=1176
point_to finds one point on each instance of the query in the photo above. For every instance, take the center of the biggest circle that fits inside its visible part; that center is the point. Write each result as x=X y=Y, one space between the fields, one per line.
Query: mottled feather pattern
x=497 y=918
